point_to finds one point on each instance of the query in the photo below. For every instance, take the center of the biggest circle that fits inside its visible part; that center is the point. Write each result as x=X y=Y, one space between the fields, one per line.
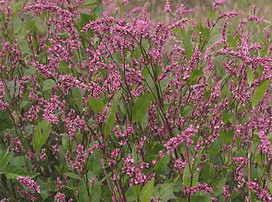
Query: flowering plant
x=98 y=104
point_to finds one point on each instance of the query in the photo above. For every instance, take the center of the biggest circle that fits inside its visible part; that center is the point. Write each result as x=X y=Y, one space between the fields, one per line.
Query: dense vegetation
x=98 y=104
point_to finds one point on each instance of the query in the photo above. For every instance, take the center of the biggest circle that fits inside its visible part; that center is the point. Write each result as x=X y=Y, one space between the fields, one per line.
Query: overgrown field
x=100 y=103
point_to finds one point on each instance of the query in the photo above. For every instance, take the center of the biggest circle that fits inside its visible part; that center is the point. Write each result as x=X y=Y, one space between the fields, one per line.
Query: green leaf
x=133 y=193
x=96 y=192
x=227 y=117
x=195 y=74
x=83 y=192
x=112 y=115
x=204 y=198
x=218 y=68
x=166 y=191
x=65 y=141
x=12 y=172
x=91 y=3
x=17 y=24
x=226 y=136
x=41 y=134
x=77 y=97
x=188 y=45
x=140 y=107
x=106 y=194
x=96 y=105
x=187 y=110
x=269 y=185
x=24 y=104
x=40 y=24
x=218 y=186
x=207 y=172
x=30 y=71
x=259 y=93
x=72 y=175
x=147 y=191
x=250 y=76
x=5 y=121
x=48 y=84
x=5 y=157
x=162 y=166
x=93 y=164
x=16 y=7
x=23 y=45
x=85 y=19
x=187 y=177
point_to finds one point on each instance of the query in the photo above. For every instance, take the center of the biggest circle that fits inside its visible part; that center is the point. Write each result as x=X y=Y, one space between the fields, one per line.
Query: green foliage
x=96 y=105
x=259 y=93
x=41 y=134
x=140 y=107
x=147 y=191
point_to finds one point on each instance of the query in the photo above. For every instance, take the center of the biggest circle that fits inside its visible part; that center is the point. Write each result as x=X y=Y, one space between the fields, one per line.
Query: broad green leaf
x=40 y=24
x=48 y=84
x=85 y=19
x=204 y=198
x=232 y=41
x=188 y=45
x=77 y=97
x=90 y=3
x=166 y=191
x=226 y=136
x=189 y=179
x=12 y=172
x=30 y=71
x=112 y=115
x=218 y=68
x=65 y=141
x=207 y=172
x=41 y=134
x=17 y=24
x=211 y=14
x=140 y=107
x=83 y=192
x=218 y=186
x=96 y=192
x=5 y=121
x=16 y=7
x=187 y=110
x=227 y=117
x=18 y=161
x=72 y=175
x=23 y=45
x=93 y=164
x=195 y=74
x=96 y=105
x=269 y=185
x=147 y=191
x=162 y=166
x=256 y=172
x=5 y=157
x=24 y=104
x=250 y=76
x=259 y=93
x=133 y=193
x=106 y=194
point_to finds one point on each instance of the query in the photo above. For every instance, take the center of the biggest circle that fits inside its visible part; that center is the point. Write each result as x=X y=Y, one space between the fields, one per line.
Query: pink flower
x=261 y=193
x=60 y=197
x=29 y=183
x=179 y=139
x=167 y=7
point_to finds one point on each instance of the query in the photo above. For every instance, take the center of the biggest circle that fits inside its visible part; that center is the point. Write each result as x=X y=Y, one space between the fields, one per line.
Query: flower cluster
x=29 y=183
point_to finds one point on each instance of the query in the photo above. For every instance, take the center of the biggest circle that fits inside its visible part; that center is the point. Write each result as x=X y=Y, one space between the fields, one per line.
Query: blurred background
x=202 y=6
